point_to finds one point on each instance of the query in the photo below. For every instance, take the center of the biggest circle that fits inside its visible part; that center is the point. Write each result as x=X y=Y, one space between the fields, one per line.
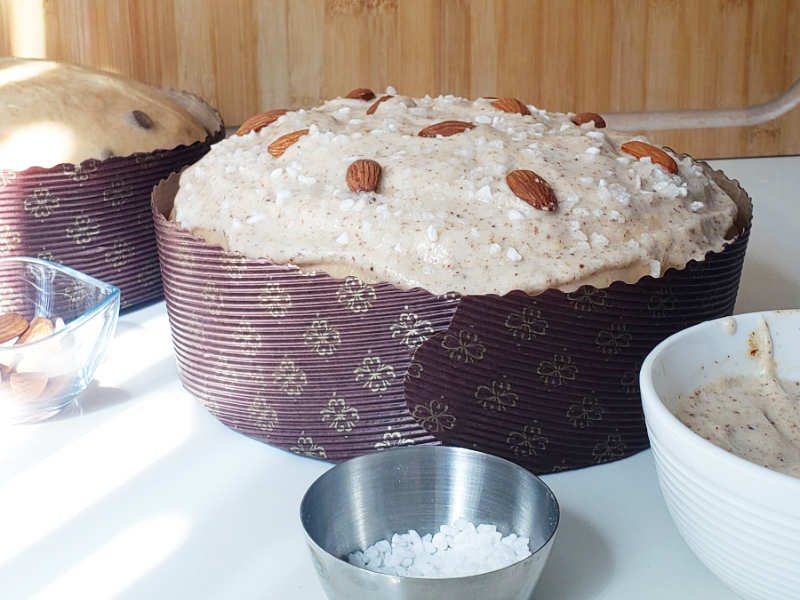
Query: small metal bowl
x=40 y=378
x=367 y=499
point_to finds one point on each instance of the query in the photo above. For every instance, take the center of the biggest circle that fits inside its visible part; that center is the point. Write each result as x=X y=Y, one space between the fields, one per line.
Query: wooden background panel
x=602 y=55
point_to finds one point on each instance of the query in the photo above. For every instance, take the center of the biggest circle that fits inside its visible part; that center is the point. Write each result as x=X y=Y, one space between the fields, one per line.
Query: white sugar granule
x=484 y=194
x=256 y=218
x=696 y=206
x=598 y=240
x=513 y=255
x=457 y=550
x=655 y=268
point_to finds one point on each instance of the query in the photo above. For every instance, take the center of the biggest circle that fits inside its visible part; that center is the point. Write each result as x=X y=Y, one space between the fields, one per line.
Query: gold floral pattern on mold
x=213 y=301
x=587 y=299
x=146 y=160
x=614 y=339
x=415 y=369
x=40 y=203
x=184 y=260
x=528 y=441
x=308 y=447
x=118 y=194
x=119 y=254
x=585 y=413
x=356 y=295
x=464 y=347
x=374 y=374
x=236 y=265
x=392 y=439
x=257 y=381
x=248 y=338
x=611 y=448
x=497 y=396
x=557 y=371
x=434 y=416
x=263 y=415
x=81 y=172
x=661 y=303
x=339 y=415
x=290 y=378
x=83 y=230
x=410 y=329
x=275 y=300
x=526 y=324
x=630 y=380
x=9 y=240
x=322 y=337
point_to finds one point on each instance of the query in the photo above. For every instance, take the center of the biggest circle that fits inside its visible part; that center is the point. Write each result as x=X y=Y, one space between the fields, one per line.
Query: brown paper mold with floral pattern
x=335 y=368
x=95 y=216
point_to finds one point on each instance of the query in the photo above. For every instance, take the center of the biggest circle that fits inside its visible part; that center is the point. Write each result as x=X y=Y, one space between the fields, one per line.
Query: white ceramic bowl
x=741 y=519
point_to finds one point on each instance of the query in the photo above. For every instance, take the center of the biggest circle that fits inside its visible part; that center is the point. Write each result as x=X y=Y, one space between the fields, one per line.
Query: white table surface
x=139 y=493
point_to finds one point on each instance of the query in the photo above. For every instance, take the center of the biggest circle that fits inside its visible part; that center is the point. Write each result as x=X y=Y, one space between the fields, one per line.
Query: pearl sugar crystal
x=457 y=550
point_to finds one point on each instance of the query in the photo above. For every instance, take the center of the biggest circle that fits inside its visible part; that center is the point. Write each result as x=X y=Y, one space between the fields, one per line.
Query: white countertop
x=139 y=493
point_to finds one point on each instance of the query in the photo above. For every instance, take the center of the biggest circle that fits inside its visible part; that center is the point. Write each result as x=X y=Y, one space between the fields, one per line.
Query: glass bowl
x=70 y=318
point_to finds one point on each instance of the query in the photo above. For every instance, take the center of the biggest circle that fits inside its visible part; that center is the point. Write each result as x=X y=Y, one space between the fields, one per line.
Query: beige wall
x=597 y=55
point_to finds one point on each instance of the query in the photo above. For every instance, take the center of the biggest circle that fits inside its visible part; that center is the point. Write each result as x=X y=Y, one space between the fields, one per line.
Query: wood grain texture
x=579 y=55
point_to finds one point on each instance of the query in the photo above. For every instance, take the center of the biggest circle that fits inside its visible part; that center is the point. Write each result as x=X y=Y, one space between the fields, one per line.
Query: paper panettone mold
x=333 y=368
x=95 y=216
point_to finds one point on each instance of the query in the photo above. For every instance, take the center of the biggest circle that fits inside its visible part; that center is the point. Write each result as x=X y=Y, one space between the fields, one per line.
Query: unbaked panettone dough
x=53 y=113
x=444 y=215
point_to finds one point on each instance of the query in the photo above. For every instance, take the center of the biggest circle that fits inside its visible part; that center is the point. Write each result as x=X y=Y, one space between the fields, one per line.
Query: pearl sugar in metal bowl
x=429 y=522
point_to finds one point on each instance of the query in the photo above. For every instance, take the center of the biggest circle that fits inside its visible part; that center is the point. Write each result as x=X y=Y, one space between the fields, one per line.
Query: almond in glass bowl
x=55 y=324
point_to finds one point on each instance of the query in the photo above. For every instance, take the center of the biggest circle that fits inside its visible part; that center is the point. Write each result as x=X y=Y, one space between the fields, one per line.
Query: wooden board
x=599 y=55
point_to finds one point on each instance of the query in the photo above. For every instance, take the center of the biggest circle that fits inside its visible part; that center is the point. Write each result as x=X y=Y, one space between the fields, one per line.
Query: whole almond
x=374 y=106
x=280 y=145
x=27 y=386
x=365 y=94
x=531 y=188
x=12 y=325
x=445 y=128
x=657 y=155
x=39 y=327
x=586 y=117
x=511 y=105
x=258 y=122
x=363 y=175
